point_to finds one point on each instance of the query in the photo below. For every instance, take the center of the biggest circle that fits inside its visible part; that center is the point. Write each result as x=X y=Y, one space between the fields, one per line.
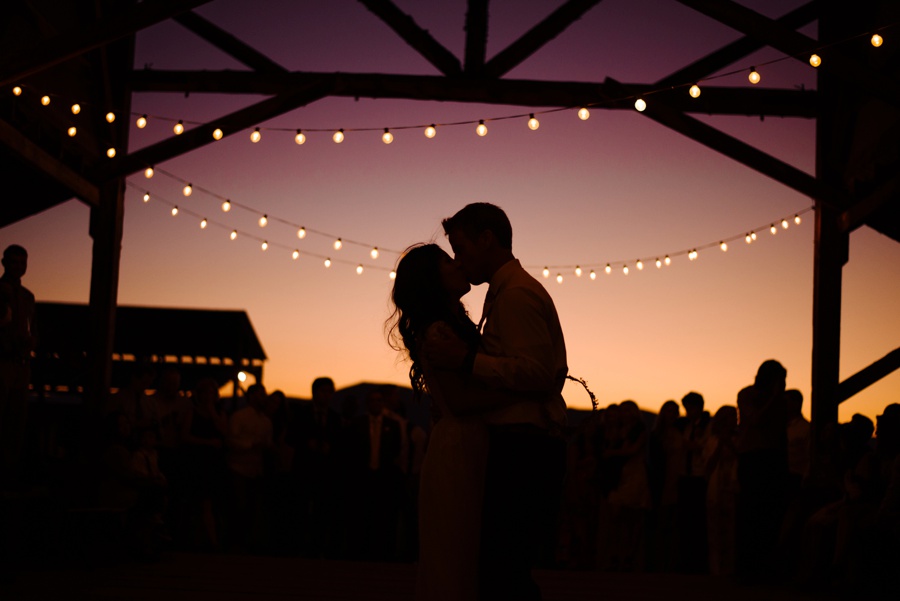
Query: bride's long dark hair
x=420 y=300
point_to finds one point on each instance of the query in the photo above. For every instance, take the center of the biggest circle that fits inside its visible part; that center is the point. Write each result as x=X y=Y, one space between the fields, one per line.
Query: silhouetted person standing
x=17 y=340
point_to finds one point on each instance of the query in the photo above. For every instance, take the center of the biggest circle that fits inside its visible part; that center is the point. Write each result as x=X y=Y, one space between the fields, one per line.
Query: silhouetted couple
x=493 y=472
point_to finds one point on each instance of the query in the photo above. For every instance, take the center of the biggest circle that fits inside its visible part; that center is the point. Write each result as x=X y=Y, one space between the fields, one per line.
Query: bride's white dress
x=450 y=496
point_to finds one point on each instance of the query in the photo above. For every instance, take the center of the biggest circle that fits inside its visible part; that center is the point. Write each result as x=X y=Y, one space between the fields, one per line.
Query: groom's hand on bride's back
x=444 y=349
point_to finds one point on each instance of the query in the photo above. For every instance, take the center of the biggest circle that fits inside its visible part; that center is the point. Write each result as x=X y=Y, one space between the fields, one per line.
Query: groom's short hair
x=478 y=217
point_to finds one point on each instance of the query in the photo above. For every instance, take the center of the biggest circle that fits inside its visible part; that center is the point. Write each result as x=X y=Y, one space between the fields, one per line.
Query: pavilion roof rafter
x=476 y=37
x=228 y=43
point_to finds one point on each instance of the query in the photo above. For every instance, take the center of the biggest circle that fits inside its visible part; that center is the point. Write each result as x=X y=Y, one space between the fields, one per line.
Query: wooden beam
x=859 y=212
x=476 y=37
x=731 y=147
x=730 y=54
x=869 y=375
x=722 y=101
x=227 y=43
x=419 y=39
x=202 y=135
x=80 y=187
x=513 y=55
x=81 y=39
x=799 y=46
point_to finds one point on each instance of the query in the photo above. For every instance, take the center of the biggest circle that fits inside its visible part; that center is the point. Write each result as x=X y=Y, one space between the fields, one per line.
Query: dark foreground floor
x=199 y=577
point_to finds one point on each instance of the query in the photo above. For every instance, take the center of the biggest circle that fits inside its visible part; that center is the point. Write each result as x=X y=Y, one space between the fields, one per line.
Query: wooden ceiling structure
x=85 y=49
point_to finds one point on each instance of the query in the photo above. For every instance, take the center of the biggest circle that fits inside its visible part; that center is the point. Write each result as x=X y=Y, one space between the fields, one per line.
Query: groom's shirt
x=522 y=349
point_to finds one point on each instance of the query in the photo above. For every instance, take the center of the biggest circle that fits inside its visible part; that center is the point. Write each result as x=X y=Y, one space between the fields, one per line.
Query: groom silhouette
x=522 y=352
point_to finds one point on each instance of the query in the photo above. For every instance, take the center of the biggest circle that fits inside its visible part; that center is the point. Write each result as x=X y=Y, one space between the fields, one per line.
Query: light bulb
x=546 y=272
x=263 y=221
x=640 y=105
x=141 y=122
x=694 y=91
x=533 y=123
x=374 y=253
x=754 y=76
x=148 y=172
x=146 y=197
x=255 y=136
x=17 y=91
x=338 y=136
x=300 y=138
x=110 y=117
x=481 y=130
x=327 y=262
x=264 y=246
x=174 y=210
x=110 y=152
x=578 y=271
x=295 y=255
x=387 y=137
x=359 y=269
x=748 y=238
x=724 y=246
x=76 y=108
x=815 y=60
x=217 y=134
x=593 y=274
x=625 y=269
x=877 y=41
x=226 y=206
x=233 y=234
x=301 y=233
x=338 y=244
x=559 y=278
x=785 y=224
x=72 y=131
x=203 y=224
x=188 y=190
x=773 y=229
x=639 y=265
x=608 y=269
x=584 y=114
x=797 y=219
x=692 y=255
x=179 y=128
x=753 y=235
x=393 y=275
x=667 y=260
x=430 y=131
x=658 y=263
x=45 y=100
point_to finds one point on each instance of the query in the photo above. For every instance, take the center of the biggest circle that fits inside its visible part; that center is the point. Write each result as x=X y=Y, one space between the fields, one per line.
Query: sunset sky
x=617 y=187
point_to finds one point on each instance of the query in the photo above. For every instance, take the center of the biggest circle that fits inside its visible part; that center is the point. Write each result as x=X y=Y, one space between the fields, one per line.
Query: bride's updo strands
x=420 y=300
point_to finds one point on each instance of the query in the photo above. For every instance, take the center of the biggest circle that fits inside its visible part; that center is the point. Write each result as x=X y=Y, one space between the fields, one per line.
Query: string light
x=546 y=272
x=724 y=246
x=76 y=108
x=301 y=233
x=146 y=197
x=203 y=223
x=753 y=235
x=692 y=255
x=148 y=172
x=815 y=60
x=578 y=271
x=593 y=275
x=559 y=278
x=784 y=224
x=797 y=219
x=110 y=152
x=338 y=136
x=754 y=76
x=217 y=134
x=584 y=114
x=295 y=255
x=263 y=221
x=639 y=265
x=110 y=117
x=141 y=122
x=255 y=136
x=72 y=131
x=694 y=91
x=359 y=269
x=233 y=234
x=658 y=263
x=533 y=123
x=17 y=91
x=327 y=262
x=608 y=269
x=264 y=246
x=179 y=128
x=481 y=130
x=188 y=190
x=226 y=206
x=667 y=260
x=625 y=269
x=387 y=137
x=640 y=104
x=374 y=253
x=300 y=138
x=430 y=131
x=174 y=210
x=45 y=100
x=748 y=239
x=338 y=244
x=877 y=41
x=773 y=229
x=392 y=275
